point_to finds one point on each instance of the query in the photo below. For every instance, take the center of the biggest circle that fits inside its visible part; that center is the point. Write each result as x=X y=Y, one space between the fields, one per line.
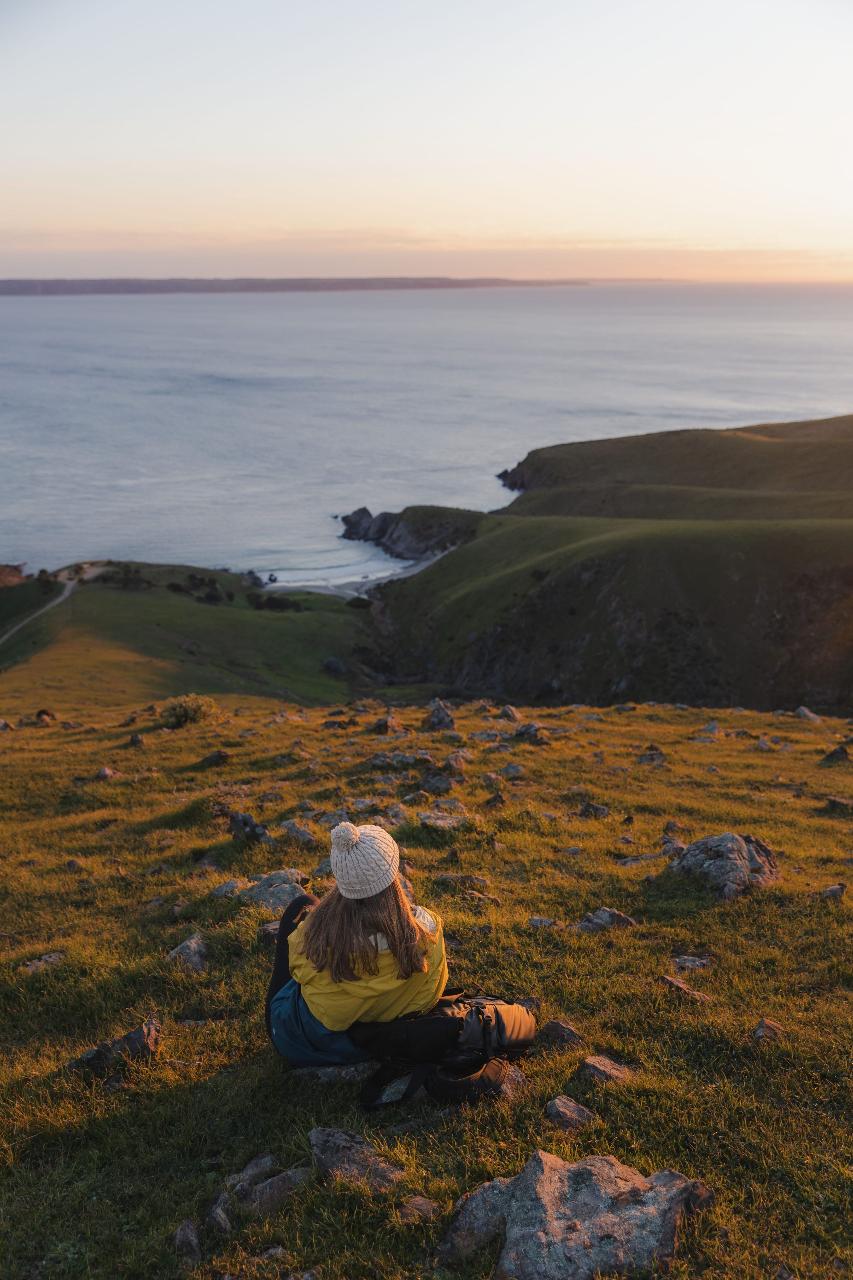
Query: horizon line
x=34 y=286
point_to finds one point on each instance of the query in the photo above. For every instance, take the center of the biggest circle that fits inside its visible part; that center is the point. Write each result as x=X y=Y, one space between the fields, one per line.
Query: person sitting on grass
x=362 y=953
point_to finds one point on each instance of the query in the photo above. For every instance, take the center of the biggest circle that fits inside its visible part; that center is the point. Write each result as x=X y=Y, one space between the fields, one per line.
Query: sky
x=697 y=139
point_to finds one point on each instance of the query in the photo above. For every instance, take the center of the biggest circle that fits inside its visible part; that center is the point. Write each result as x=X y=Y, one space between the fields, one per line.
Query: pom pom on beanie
x=365 y=860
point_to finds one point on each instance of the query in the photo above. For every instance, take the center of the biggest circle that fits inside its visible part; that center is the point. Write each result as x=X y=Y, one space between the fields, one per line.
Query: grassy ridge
x=794 y=458
x=95 y=1180
x=106 y=643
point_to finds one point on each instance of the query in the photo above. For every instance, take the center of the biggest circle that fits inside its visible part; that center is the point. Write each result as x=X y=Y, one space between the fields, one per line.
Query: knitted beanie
x=365 y=860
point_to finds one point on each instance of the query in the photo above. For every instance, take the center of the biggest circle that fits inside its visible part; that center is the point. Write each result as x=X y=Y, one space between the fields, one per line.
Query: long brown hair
x=342 y=934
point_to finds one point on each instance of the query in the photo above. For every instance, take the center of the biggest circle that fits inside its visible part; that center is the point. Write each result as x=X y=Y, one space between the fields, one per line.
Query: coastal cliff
x=414 y=533
x=710 y=567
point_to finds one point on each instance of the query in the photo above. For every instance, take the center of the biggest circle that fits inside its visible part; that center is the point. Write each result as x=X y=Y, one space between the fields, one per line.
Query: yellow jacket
x=375 y=997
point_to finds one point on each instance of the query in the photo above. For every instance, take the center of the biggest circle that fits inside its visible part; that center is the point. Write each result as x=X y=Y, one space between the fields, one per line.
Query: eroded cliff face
x=414 y=533
x=585 y=637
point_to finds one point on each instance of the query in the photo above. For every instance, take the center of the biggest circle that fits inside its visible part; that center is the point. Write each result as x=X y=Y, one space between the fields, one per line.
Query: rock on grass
x=605 y=918
x=187 y=1242
x=731 y=864
x=351 y=1158
x=139 y=1045
x=192 y=952
x=604 y=1070
x=418 y=1209
x=267 y=1197
x=680 y=988
x=567 y=1114
x=558 y=1031
x=561 y=1221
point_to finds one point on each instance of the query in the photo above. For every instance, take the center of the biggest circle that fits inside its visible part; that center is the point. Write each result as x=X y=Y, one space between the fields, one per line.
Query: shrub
x=189 y=708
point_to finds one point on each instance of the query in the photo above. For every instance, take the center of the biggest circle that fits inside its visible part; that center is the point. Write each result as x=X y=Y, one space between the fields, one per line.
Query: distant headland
x=250 y=284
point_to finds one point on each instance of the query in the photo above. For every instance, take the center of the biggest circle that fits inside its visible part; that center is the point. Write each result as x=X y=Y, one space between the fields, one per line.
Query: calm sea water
x=230 y=429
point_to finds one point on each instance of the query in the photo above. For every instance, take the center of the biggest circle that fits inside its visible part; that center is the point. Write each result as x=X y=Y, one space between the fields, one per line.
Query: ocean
x=233 y=429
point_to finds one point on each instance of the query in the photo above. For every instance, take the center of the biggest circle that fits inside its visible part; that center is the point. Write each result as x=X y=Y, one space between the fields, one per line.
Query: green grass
x=806 y=464
x=17 y=602
x=105 y=644
x=94 y=1182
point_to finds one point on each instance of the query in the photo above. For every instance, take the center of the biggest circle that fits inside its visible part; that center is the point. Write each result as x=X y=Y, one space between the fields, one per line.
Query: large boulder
x=561 y=1221
x=729 y=863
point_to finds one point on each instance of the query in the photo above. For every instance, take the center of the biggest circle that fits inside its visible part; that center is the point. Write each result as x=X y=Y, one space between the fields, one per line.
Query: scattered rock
x=276 y=890
x=105 y=773
x=300 y=834
x=42 y=962
x=567 y=1114
x=803 y=713
x=258 y=1168
x=268 y=935
x=244 y=827
x=136 y=740
x=512 y=772
x=192 y=952
x=729 y=863
x=139 y=1045
x=186 y=1241
x=437 y=784
x=350 y=1158
x=558 y=1031
x=461 y=880
x=266 y=1198
x=544 y=922
x=839 y=806
x=591 y=810
x=228 y=888
x=840 y=755
x=561 y=1221
x=688 y=963
x=508 y=713
x=215 y=758
x=604 y=1070
x=217 y=1214
x=681 y=988
x=532 y=733
x=418 y=1209
x=439 y=716
x=605 y=918
x=387 y=724
x=438 y=820
x=767 y=1029
x=652 y=754
x=834 y=891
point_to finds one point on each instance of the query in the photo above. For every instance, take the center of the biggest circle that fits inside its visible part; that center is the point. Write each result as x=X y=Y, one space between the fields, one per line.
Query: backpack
x=460 y=1051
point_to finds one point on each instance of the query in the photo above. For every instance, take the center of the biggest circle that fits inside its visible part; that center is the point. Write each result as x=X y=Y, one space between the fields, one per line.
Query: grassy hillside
x=708 y=566
x=112 y=874
x=19 y=601
x=809 y=464
x=109 y=642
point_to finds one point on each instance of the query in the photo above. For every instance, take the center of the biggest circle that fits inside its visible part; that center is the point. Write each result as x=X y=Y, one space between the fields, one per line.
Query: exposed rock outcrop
x=729 y=863
x=414 y=533
x=562 y=1221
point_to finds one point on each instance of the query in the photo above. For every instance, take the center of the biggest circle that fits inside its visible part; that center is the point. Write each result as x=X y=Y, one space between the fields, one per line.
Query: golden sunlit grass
x=96 y=1181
